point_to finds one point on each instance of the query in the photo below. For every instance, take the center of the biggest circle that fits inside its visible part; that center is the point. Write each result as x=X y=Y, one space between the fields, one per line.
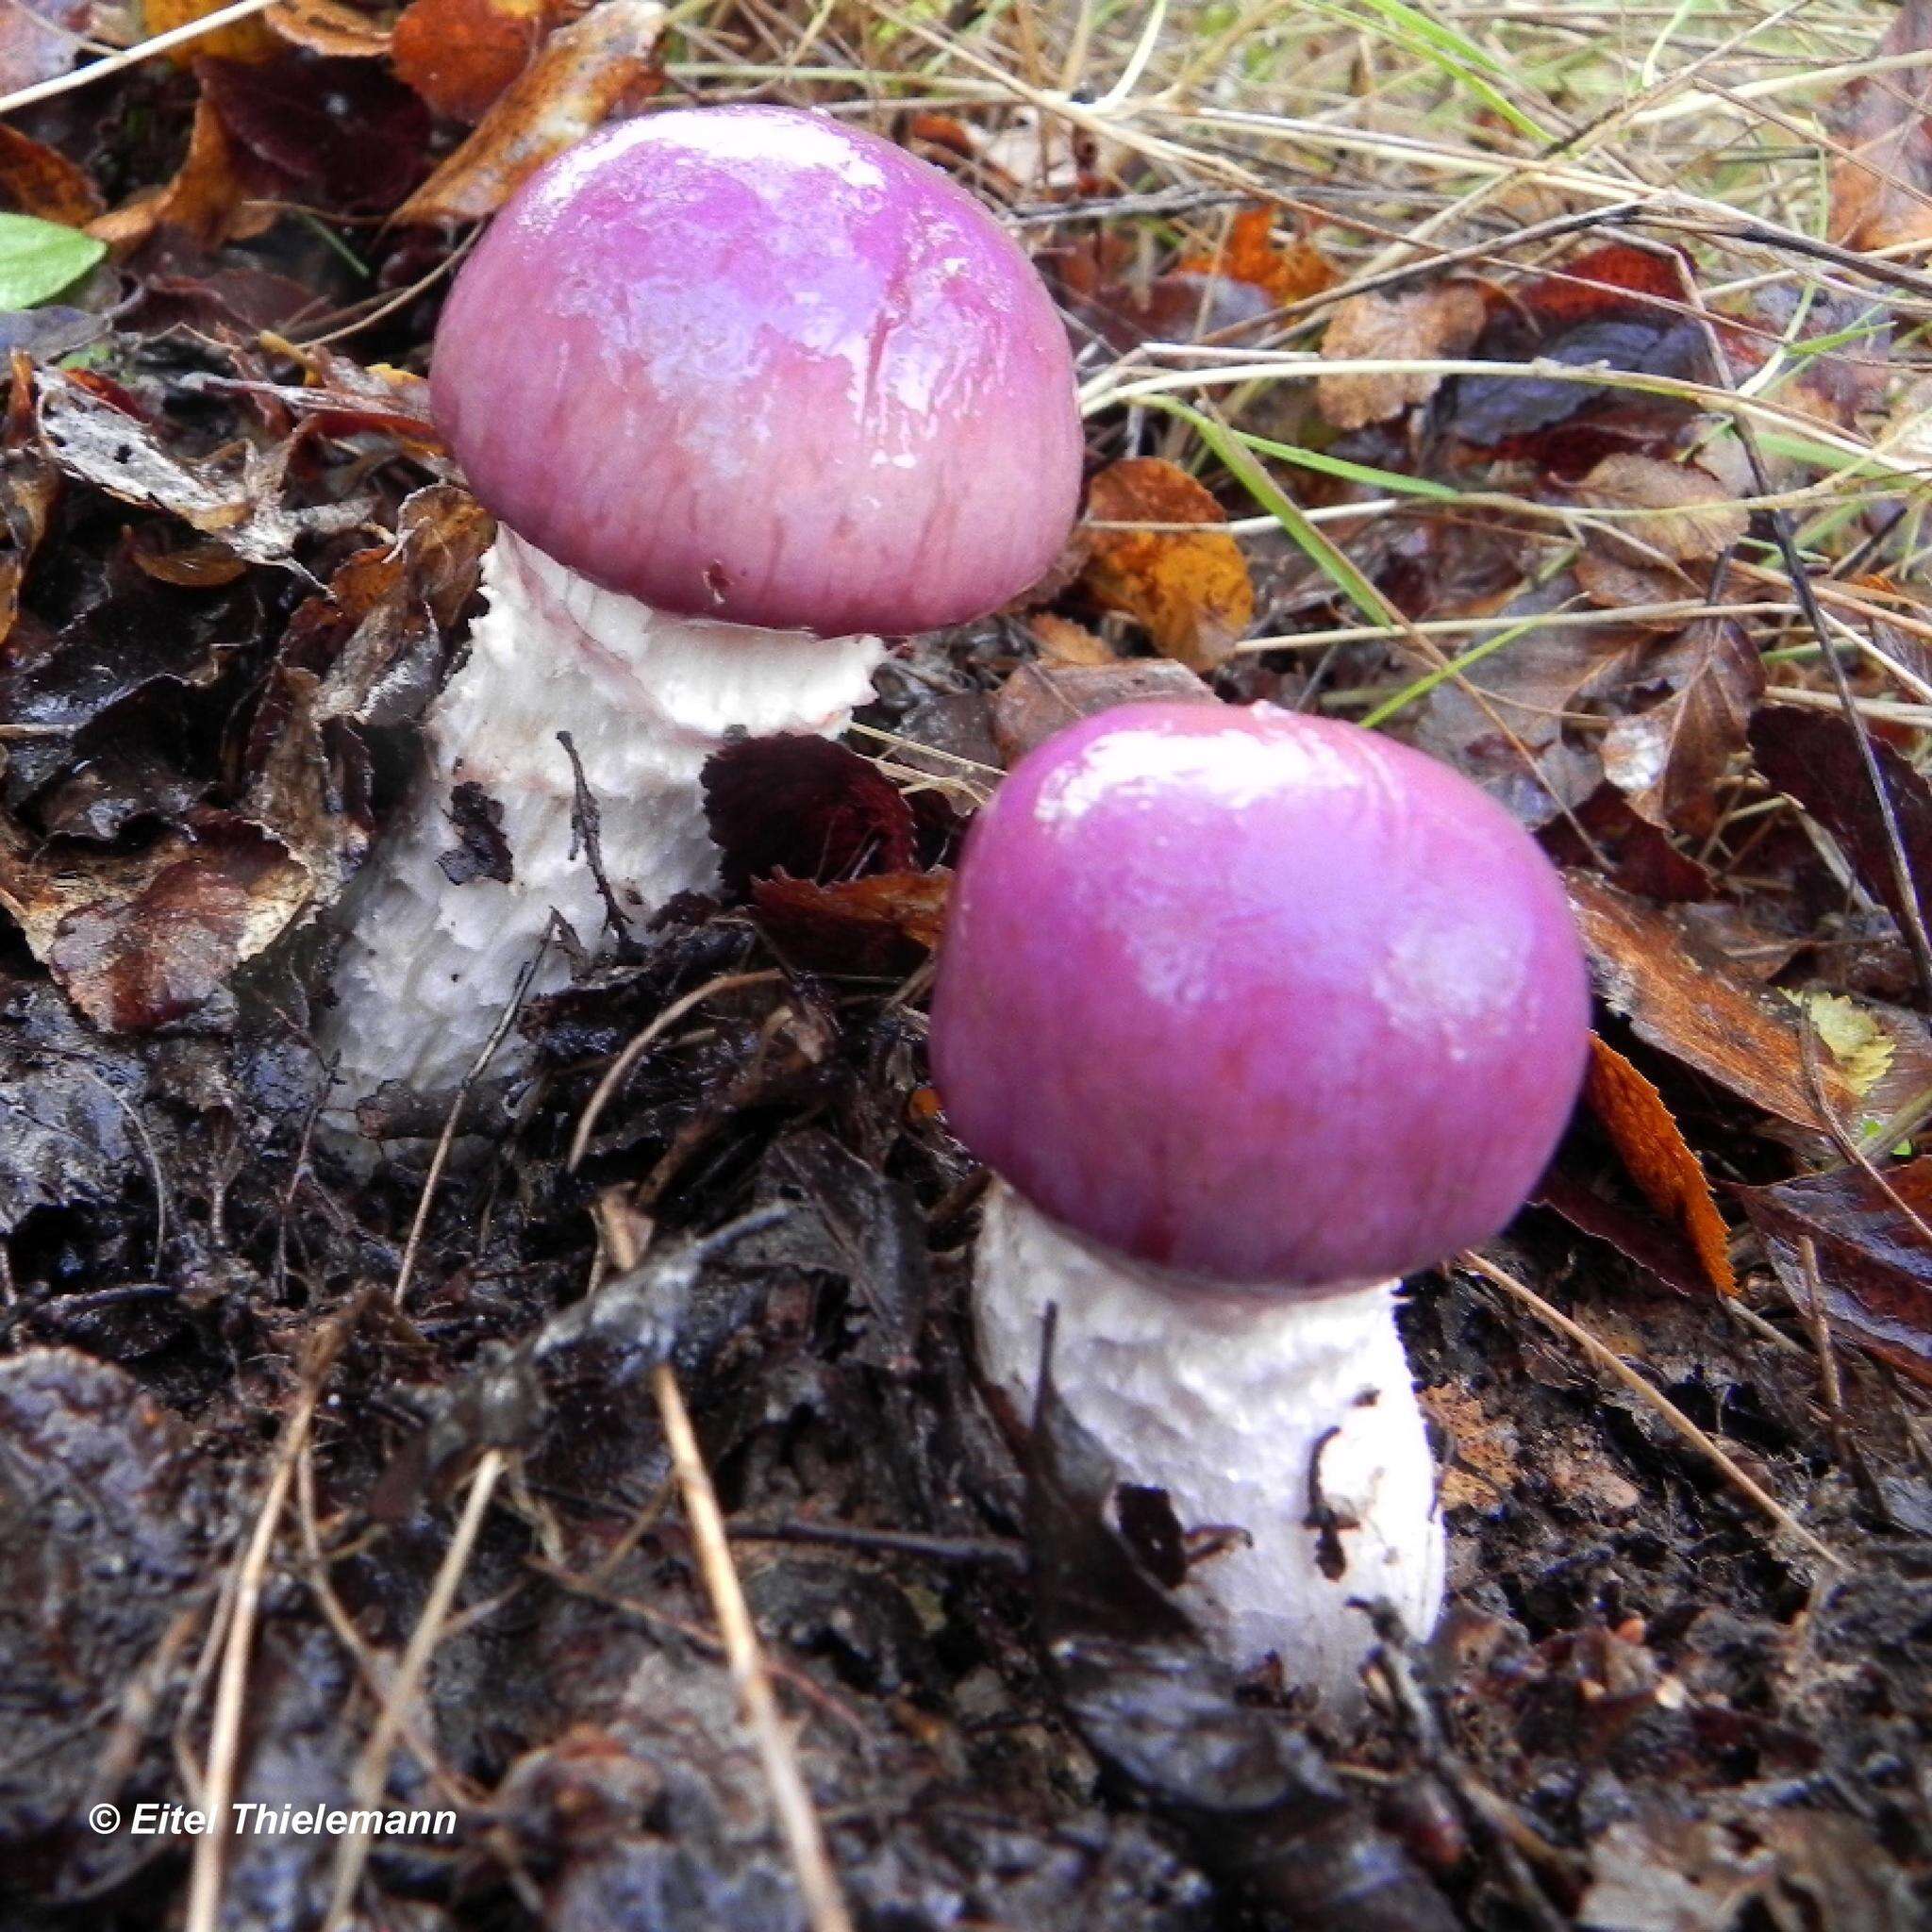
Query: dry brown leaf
x=460 y=55
x=1285 y=273
x=328 y=27
x=1063 y=641
x=1668 y=760
x=1191 y=593
x=206 y=202
x=1039 y=699
x=1622 y=583
x=871 y=925
x=1688 y=516
x=39 y=181
x=1422 y=324
x=1881 y=192
x=582 y=75
x=1691 y=1004
x=1656 y=1156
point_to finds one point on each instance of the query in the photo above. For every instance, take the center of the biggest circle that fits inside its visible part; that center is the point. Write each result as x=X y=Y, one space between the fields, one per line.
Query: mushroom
x=1250 y=1014
x=745 y=389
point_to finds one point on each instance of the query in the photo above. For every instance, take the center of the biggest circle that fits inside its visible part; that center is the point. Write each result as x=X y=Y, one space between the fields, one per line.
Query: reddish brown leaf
x=808 y=808
x=460 y=55
x=870 y=926
x=1668 y=760
x=1039 y=699
x=1191 y=593
x=1422 y=324
x=138 y=943
x=1656 y=1156
x=39 y=181
x=1874 y=1265
x=204 y=202
x=1813 y=757
x=1690 y=1004
x=1881 y=191
x=582 y=75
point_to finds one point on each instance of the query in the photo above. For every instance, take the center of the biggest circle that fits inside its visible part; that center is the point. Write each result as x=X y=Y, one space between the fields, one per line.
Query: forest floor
x=1545 y=385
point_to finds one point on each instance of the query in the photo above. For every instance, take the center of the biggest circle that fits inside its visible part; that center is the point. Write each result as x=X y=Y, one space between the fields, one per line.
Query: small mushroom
x=746 y=389
x=1251 y=1014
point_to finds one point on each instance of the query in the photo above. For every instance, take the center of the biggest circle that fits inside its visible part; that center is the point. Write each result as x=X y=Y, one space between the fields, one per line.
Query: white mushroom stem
x=428 y=965
x=1273 y=1416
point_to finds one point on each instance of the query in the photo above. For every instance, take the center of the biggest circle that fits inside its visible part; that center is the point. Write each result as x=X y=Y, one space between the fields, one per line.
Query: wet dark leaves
x=106 y=1518
x=142 y=942
x=807 y=807
x=1814 y=756
x=481 y=851
x=874 y=926
x=340 y=133
x=1873 y=1254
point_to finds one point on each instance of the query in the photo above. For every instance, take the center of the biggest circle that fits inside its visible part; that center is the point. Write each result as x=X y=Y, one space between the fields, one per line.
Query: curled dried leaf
x=1658 y=1158
x=1683 y=512
x=582 y=75
x=40 y=181
x=1189 y=591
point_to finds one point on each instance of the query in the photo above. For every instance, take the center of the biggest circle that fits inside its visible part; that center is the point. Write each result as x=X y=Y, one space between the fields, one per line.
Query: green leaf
x=38 y=260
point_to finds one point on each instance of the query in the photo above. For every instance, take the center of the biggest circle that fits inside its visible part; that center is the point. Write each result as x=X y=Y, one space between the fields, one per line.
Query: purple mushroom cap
x=748 y=364
x=1257 y=997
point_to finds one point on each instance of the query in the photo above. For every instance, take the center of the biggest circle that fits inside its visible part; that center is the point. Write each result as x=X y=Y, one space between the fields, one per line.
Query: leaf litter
x=235 y=565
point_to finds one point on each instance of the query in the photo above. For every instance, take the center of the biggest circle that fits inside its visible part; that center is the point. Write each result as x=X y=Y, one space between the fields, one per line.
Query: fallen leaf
x=1040 y=699
x=88 y=435
x=38 y=260
x=38 y=39
x=204 y=202
x=137 y=942
x=582 y=75
x=1875 y=1263
x=1191 y=592
x=1854 y=1038
x=1656 y=1156
x=242 y=39
x=42 y=182
x=1684 y=512
x=327 y=27
x=1813 y=757
x=460 y=55
x=344 y=133
x=804 y=807
x=871 y=926
x=1692 y=1005
x=1063 y=641
x=1667 y=761
x=1422 y=324
x=1285 y=273
x=1881 y=191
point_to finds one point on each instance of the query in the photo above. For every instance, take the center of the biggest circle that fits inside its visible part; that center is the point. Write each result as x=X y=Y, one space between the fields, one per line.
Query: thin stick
x=1613 y=1364
x=371 y=1767
x=818 y=1884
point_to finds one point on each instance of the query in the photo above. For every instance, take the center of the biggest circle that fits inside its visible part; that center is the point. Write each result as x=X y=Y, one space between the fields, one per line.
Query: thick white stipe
x=1243 y=1409
x=646 y=697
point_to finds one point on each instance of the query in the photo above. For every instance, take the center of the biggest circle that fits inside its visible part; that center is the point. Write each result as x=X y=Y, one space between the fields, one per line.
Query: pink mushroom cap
x=749 y=363
x=1260 y=998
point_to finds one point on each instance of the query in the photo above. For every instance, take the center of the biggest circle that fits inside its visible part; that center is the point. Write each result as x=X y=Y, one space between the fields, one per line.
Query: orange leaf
x=40 y=182
x=1190 y=591
x=581 y=76
x=205 y=201
x=1284 y=274
x=1656 y=1157
x=246 y=40
x=460 y=55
